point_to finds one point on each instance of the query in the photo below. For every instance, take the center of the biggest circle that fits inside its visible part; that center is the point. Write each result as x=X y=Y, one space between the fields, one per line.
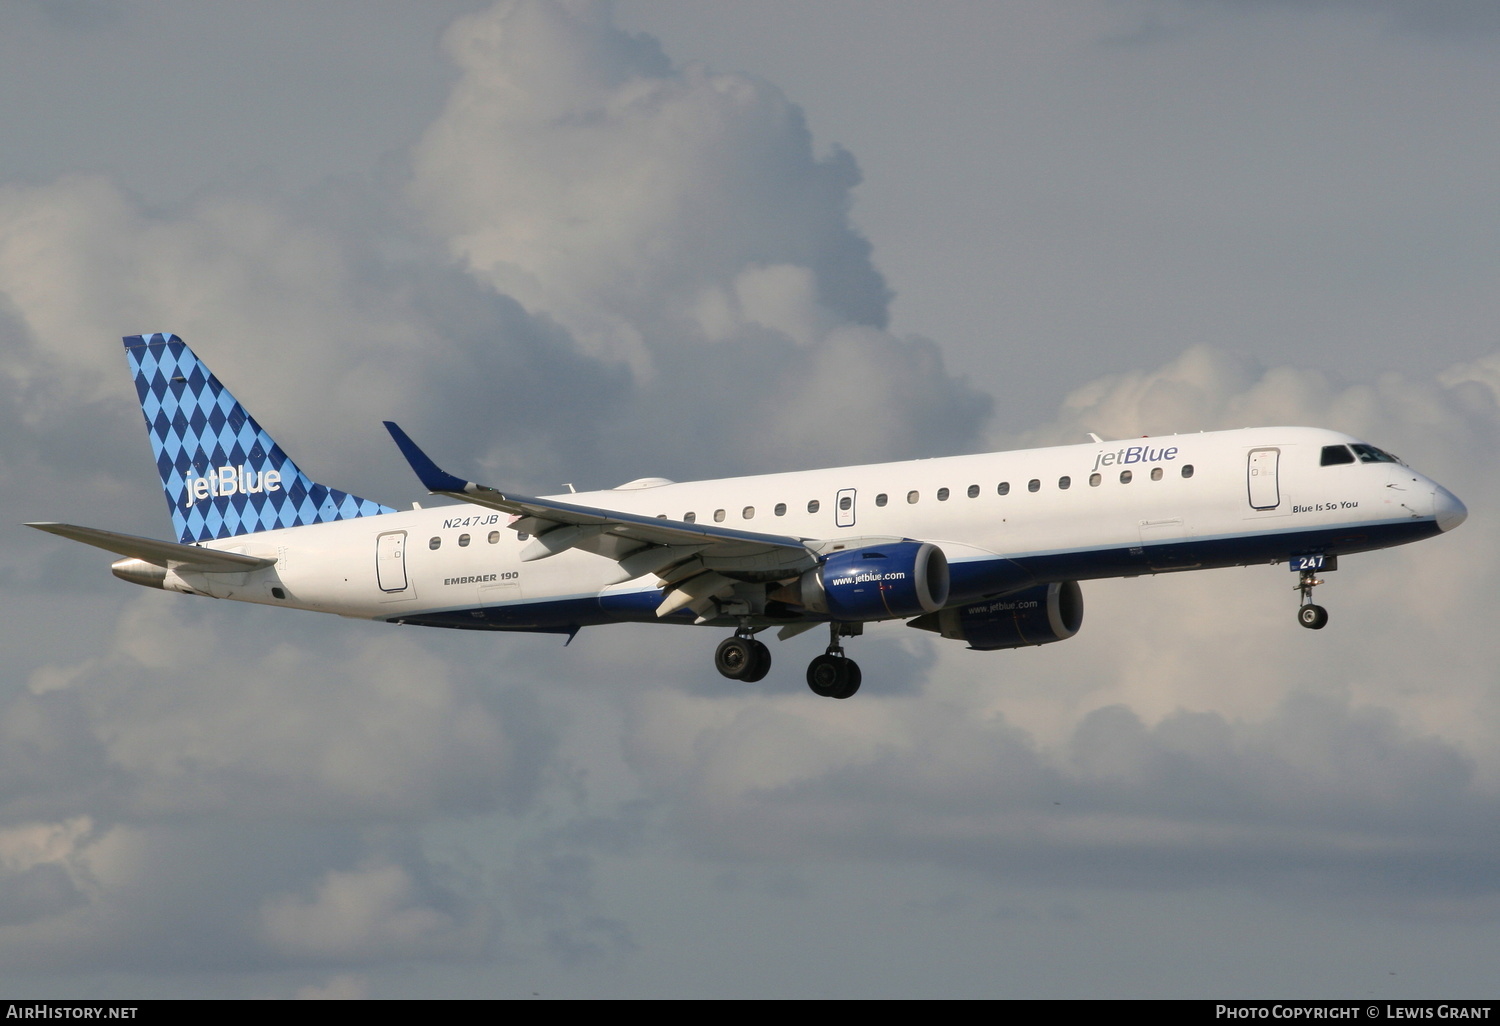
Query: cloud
x=165 y=897
x=677 y=221
x=580 y=171
x=371 y=913
x=298 y=309
x=184 y=715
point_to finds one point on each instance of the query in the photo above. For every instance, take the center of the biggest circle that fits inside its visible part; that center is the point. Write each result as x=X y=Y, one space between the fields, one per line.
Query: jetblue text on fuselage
x=230 y=481
x=1135 y=454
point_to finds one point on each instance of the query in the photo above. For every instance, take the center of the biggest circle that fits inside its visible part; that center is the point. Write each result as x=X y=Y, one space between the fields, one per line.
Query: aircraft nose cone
x=1447 y=509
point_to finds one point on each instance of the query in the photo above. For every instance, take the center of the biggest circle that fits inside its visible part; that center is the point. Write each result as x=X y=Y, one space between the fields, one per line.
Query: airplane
x=986 y=549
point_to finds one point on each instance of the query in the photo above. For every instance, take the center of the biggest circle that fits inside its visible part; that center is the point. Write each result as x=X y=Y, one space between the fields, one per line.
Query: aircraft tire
x=827 y=675
x=852 y=676
x=1314 y=618
x=760 y=663
x=735 y=658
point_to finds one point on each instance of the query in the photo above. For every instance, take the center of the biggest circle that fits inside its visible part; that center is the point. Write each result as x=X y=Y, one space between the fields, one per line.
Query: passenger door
x=1263 y=479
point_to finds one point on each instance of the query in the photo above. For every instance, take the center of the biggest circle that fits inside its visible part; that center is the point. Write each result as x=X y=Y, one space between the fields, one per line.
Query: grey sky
x=581 y=243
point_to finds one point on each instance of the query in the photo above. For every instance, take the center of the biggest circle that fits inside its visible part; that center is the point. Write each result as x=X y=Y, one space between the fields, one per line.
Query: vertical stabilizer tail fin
x=222 y=474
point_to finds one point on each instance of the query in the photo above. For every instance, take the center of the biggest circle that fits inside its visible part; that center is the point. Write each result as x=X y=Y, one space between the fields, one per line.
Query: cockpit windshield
x=1370 y=454
x=1336 y=455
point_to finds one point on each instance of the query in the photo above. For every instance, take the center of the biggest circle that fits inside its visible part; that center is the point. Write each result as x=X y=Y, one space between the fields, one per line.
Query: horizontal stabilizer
x=160 y=553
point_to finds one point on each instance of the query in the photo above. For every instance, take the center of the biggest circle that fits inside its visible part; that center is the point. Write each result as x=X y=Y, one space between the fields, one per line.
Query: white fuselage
x=1004 y=520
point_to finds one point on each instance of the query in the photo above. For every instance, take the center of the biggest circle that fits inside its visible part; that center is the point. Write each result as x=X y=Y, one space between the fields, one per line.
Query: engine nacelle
x=879 y=581
x=1036 y=616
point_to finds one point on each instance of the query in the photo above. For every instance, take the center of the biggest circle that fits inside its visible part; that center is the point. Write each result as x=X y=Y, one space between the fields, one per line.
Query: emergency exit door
x=844 y=508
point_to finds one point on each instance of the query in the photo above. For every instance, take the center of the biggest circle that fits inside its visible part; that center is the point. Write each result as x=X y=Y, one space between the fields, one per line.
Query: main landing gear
x=830 y=675
x=833 y=674
x=1309 y=615
x=743 y=658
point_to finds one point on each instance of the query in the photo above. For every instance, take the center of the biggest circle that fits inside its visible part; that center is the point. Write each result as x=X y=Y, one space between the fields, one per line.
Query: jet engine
x=1036 y=616
x=878 y=581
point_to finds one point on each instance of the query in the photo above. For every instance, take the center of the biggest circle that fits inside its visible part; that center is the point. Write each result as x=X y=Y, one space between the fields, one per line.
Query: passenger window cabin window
x=463 y=540
x=973 y=491
x=718 y=516
x=1125 y=476
x=1004 y=488
x=1334 y=455
x=748 y=512
x=690 y=518
x=1187 y=470
x=781 y=509
x=494 y=538
x=1156 y=473
x=522 y=536
x=1034 y=485
x=435 y=543
x=942 y=495
x=882 y=499
x=661 y=516
x=1094 y=480
x=846 y=503
x=1064 y=482
x=912 y=497
x=813 y=506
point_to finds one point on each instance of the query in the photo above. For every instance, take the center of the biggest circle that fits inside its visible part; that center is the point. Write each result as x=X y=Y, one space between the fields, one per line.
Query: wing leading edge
x=699 y=565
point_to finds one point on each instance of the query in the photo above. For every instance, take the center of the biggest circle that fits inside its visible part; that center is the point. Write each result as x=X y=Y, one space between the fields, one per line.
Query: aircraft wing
x=674 y=550
x=161 y=553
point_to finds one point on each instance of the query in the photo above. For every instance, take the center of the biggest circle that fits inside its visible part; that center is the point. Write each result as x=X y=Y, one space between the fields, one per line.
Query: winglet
x=433 y=478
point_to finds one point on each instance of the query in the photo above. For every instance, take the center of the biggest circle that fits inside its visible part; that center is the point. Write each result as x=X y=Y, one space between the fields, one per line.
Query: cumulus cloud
x=579 y=170
x=297 y=307
x=370 y=913
x=216 y=896
x=678 y=221
x=181 y=716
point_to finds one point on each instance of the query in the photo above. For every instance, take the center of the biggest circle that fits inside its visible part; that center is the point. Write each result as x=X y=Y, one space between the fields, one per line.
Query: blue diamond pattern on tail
x=222 y=474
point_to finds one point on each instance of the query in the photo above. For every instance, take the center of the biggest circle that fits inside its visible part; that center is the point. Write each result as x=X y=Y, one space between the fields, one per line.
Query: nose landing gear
x=1313 y=617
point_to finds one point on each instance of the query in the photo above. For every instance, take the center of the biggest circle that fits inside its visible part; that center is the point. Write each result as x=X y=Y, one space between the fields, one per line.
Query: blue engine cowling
x=880 y=581
x=1036 y=616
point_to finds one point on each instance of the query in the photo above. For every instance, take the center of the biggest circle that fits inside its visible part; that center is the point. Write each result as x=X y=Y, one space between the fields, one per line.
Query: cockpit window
x=1370 y=454
x=1333 y=455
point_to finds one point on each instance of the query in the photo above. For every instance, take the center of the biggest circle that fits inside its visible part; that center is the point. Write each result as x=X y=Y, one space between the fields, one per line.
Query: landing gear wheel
x=825 y=674
x=735 y=658
x=760 y=664
x=851 y=684
x=833 y=676
x=1312 y=617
